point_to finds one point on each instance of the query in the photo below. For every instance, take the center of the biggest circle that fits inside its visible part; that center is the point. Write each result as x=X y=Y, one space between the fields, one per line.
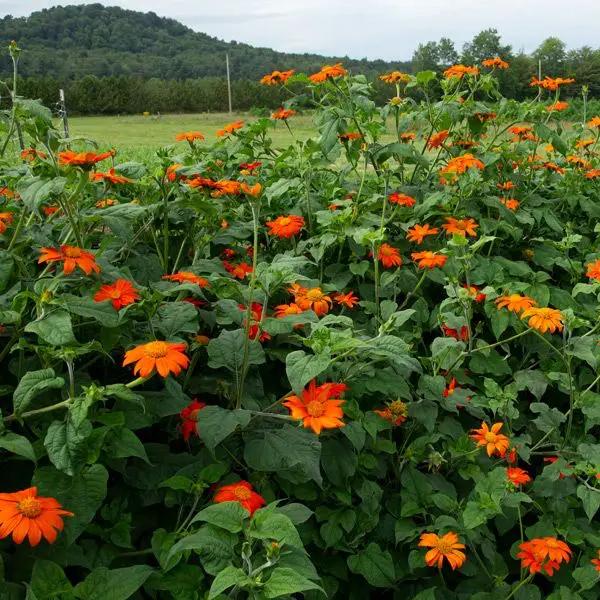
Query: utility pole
x=228 y=82
x=63 y=112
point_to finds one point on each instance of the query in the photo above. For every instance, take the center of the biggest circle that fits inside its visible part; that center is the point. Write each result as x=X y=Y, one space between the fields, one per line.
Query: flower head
x=557 y=106
x=189 y=419
x=515 y=302
x=239 y=270
x=348 y=300
x=595 y=122
x=494 y=441
x=389 y=256
x=24 y=514
x=510 y=203
x=6 y=218
x=285 y=310
x=495 y=63
x=417 y=233
x=544 y=319
x=241 y=492
x=189 y=136
x=187 y=277
x=121 y=293
x=230 y=128
x=459 y=165
x=401 y=199
x=163 y=357
x=286 y=226
x=81 y=159
x=544 y=554
x=328 y=72
x=277 y=77
x=428 y=259
x=517 y=476
x=314 y=299
x=446 y=547
x=110 y=176
x=596 y=562
x=395 y=412
x=463 y=227
x=550 y=83
x=459 y=71
x=437 y=139
x=593 y=270
x=281 y=114
x=319 y=406
x=395 y=77
x=350 y=136
x=71 y=257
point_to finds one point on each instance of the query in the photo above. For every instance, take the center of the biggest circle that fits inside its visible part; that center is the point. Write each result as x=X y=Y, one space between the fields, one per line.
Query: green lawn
x=134 y=133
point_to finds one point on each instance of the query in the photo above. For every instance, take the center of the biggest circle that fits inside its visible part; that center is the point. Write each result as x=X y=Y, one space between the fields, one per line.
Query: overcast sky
x=388 y=29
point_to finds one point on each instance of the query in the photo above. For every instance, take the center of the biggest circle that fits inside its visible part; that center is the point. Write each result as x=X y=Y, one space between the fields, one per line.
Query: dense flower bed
x=361 y=366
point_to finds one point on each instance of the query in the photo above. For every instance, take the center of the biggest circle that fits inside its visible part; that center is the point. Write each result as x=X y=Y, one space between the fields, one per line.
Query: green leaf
x=32 y=384
x=227 y=515
x=227 y=351
x=227 y=578
x=115 y=584
x=302 y=368
x=285 y=581
x=102 y=312
x=269 y=524
x=48 y=581
x=66 y=445
x=162 y=542
x=590 y=500
x=54 y=328
x=375 y=565
x=17 y=444
x=123 y=443
x=216 y=423
x=176 y=318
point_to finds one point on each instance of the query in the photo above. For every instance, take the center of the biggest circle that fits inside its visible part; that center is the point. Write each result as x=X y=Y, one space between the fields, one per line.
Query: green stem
x=39 y=411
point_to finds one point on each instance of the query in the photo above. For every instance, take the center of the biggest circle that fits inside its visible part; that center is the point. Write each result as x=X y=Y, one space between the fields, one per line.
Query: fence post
x=228 y=82
x=63 y=112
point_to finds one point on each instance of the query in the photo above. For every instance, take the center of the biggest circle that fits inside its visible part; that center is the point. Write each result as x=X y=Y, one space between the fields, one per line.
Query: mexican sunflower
x=401 y=199
x=81 y=159
x=389 y=256
x=459 y=71
x=505 y=186
x=592 y=174
x=230 y=128
x=517 y=476
x=281 y=114
x=187 y=277
x=286 y=226
x=349 y=300
x=445 y=547
x=319 y=406
x=256 y=315
x=328 y=72
x=543 y=554
x=494 y=442
x=189 y=419
x=395 y=77
x=349 y=136
x=510 y=203
x=31 y=154
x=276 y=77
x=550 y=83
x=417 y=233
x=71 y=257
x=106 y=202
x=474 y=292
x=247 y=168
x=495 y=63
x=437 y=139
x=515 y=302
x=450 y=388
x=557 y=107
x=459 y=165
x=595 y=122
x=285 y=310
x=461 y=334
x=395 y=412
x=121 y=293
x=251 y=190
x=544 y=319
x=110 y=176
x=464 y=227
x=596 y=562
x=6 y=218
x=428 y=259
x=241 y=492
x=189 y=136
x=164 y=357
x=24 y=514
x=593 y=270
x=314 y=299
x=238 y=270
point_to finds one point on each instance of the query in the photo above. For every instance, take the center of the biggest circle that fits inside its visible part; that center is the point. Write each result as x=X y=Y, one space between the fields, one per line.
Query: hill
x=69 y=42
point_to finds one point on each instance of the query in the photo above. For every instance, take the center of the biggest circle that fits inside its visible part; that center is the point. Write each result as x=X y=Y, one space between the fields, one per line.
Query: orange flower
x=50 y=210
x=251 y=190
x=428 y=259
x=348 y=300
x=522 y=133
x=349 y=136
x=313 y=299
x=596 y=562
x=592 y=174
x=248 y=168
x=510 y=203
x=418 y=233
x=241 y=492
x=31 y=154
x=239 y=270
x=401 y=199
x=557 y=107
x=6 y=218
x=595 y=122
x=225 y=187
x=24 y=514
x=286 y=226
x=277 y=77
x=550 y=166
x=515 y=303
x=395 y=412
x=593 y=270
x=72 y=257
x=110 y=176
x=189 y=136
x=444 y=547
x=459 y=71
x=198 y=181
x=187 y=277
x=543 y=554
x=462 y=227
x=189 y=419
x=460 y=164
x=505 y=186
x=517 y=476
x=81 y=159
x=474 y=292
x=121 y=293
x=495 y=63
x=389 y=256
x=105 y=202
x=463 y=334
x=318 y=407
x=284 y=310
x=395 y=77
x=583 y=144
x=328 y=72
x=450 y=388
x=437 y=139
x=465 y=144
x=485 y=116
x=550 y=83
x=164 y=357
x=408 y=136
x=230 y=128
x=544 y=319
x=281 y=114
x=254 y=329
x=495 y=442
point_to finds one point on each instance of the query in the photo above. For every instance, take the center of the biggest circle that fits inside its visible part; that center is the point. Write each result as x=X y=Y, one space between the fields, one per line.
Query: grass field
x=133 y=134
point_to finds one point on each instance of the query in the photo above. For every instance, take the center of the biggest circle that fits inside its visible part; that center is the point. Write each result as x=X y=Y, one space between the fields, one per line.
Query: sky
x=387 y=29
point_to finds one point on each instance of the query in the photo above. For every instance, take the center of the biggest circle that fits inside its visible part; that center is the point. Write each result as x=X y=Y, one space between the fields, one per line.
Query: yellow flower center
x=73 y=252
x=315 y=408
x=444 y=546
x=285 y=221
x=30 y=507
x=242 y=493
x=156 y=349
x=490 y=437
x=115 y=294
x=314 y=294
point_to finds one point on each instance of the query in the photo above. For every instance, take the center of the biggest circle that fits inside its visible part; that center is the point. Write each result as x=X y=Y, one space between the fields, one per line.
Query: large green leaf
x=54 y=328
x=113 y=584
x=17 y=444
x=285 y=581
x=216 y=423
x=33 y=383
x=375 y=565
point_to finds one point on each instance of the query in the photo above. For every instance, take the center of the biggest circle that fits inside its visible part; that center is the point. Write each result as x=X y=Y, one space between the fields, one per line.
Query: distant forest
x=115 y=61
